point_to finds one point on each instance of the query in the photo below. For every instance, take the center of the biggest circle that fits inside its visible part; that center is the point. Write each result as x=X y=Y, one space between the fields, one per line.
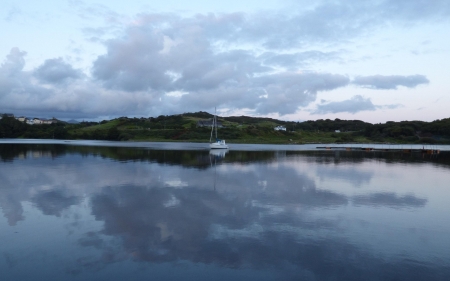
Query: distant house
x=337 y=131
x=30 y=121
x=38 y=121
x=21 y=118
x=46 y=121
x=208 y=123
x=280 y=128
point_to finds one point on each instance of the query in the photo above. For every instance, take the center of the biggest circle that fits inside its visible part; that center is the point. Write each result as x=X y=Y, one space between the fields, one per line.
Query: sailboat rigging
x=220 y=144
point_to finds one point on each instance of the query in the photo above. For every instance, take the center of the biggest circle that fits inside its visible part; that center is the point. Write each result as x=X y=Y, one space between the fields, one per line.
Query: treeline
x=254 y=120
x=432 y=132
x=183 y=127
x=12 y=128
x=409 y=131
x=328 y=125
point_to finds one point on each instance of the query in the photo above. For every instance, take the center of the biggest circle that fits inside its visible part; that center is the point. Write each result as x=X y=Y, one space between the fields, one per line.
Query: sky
x=296 y=60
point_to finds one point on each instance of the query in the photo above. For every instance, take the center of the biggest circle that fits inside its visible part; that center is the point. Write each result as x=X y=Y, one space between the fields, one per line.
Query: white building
x=280 y=128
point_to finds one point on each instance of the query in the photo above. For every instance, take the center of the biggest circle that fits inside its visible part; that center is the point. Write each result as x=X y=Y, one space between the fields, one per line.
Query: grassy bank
x=194 y=127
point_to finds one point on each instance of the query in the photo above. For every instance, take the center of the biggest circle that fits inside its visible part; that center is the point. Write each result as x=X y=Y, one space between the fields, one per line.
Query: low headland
x=196 y=127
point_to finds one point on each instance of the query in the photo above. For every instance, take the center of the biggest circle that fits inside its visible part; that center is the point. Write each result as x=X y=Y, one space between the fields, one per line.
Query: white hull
x=216 y=145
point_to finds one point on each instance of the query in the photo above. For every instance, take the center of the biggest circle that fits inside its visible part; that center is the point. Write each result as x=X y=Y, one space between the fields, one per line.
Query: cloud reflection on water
x=265 y=212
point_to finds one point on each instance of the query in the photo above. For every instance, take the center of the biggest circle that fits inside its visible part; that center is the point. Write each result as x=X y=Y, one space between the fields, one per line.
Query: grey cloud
x=203 y=56
x=133 y=64
x=65 y=96
x=282 y=93
x=56 y=71
x=184 y=60
x=288 y=91
x=16 y=83
x=381 y=82
x=336 y=21
x=353 y=105
x=302 y=25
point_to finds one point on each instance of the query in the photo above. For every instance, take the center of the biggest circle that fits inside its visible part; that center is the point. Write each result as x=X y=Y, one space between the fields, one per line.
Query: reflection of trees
x=9 y=152
x=261 y=217
x=341 y=157
x=201 y=159
x=197 y=159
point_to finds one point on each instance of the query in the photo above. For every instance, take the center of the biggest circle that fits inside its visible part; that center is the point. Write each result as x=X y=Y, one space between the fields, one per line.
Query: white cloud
x=391 y=82
x=270 y=62
x=353 y=105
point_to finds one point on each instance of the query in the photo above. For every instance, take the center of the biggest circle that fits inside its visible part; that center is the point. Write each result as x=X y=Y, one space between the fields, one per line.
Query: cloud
x=334 y=21
x=56 y=71
x=13 y=80
x=14 y=63
x=181 y=58
x=287 y=92
x=58 y=92
x=355 y=104
x=391 y=106
x=252 y=62
x=392 y=82
x=297 y=59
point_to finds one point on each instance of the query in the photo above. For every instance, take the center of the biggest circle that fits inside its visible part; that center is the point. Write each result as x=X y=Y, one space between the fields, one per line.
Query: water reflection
x=310 y=215
x=53 y=202
x=389 y=199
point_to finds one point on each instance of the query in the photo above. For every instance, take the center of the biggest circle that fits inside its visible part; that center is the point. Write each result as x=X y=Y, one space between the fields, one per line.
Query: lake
x=86 y=210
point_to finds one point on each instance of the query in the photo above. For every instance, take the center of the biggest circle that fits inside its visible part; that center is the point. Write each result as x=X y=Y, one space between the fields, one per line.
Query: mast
x=215 y=120
x=212 y=128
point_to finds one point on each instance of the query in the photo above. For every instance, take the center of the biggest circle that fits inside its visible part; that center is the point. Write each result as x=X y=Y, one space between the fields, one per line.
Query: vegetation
x=240 y=129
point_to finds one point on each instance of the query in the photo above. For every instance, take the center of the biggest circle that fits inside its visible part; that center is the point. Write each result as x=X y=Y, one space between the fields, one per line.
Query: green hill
x=238 y=129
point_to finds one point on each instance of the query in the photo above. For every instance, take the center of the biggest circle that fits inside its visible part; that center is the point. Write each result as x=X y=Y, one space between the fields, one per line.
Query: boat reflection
x=219 y=153
x=304 y=216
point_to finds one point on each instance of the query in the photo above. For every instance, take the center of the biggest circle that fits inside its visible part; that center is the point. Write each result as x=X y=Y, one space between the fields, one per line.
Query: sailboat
x=218 y=144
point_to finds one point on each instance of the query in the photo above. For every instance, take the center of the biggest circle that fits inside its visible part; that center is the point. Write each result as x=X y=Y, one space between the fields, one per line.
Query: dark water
x=132 y=213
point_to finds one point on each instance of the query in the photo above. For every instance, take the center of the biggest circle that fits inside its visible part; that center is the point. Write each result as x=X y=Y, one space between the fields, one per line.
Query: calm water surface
x=81 y=212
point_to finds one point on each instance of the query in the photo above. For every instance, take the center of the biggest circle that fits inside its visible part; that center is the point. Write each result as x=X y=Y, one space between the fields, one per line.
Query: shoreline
x=192 y=145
